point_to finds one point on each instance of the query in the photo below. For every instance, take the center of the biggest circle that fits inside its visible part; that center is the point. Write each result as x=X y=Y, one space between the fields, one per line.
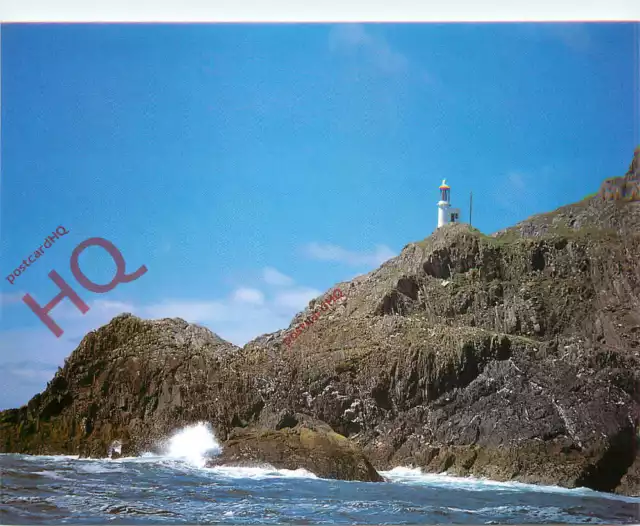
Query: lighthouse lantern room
x=446 y=214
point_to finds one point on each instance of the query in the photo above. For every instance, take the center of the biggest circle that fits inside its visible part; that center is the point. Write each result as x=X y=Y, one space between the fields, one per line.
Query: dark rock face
x=319 y=450
x=512 y=356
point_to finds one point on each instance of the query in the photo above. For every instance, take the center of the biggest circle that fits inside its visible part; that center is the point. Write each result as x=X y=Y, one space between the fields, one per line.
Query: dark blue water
x=175 y=487
x=39 y=490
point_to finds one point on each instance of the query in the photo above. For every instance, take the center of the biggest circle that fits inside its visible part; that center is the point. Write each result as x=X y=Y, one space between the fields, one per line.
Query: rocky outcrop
x=132 y=381
x=511 y=356
x=625 y=188
x=317 y=449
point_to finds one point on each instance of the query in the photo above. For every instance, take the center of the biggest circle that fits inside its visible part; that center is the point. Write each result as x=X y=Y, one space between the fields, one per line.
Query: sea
x=175 y=487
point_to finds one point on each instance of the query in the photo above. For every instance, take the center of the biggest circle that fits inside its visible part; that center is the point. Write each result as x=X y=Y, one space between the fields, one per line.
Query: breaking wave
x=415 y=476
x=194 y=444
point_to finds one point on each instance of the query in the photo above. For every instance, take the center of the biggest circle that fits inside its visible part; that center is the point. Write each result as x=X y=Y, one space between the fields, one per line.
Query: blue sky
x=251 y=167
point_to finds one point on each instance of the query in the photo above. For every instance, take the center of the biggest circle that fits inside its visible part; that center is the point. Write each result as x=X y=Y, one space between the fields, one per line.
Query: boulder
x=322 y=451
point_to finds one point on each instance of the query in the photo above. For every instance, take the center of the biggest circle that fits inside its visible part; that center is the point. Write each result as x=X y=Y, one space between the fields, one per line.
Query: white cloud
x=20 y=380
x=296 y=300
x=355 y=38
x=244 y=315
x=31 y=371
x=328 y=252
x=274 y=277
x=8 y=298
x=191 y=310
x=100 y=309
x=247 y=295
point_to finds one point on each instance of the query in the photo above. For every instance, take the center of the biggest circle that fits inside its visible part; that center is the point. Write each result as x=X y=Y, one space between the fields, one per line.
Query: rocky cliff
x=512 y=356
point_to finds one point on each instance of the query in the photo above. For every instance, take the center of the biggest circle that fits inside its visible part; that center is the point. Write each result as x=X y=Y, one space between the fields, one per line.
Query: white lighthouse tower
x=446 y=214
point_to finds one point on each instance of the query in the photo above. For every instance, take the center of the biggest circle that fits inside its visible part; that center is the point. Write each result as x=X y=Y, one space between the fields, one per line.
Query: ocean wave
x=194 y=444
x=100 y=466
x=408 y=475
x=51 y=475
x=39 y=458
x=259 y=472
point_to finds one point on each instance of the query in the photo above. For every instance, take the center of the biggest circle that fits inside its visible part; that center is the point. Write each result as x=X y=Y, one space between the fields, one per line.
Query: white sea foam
x=51 y=475
x=193 y=444
x=262 y=472
x=405 y=475
x=38 y=458
x=97 y=466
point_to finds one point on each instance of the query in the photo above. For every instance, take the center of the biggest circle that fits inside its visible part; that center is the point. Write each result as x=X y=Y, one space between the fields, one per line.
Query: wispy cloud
x=248 y=295
x=355 y=38
x=9 y=298
x=328 y=252
x=239 y=318
x=29 y=359
x=194 y=311
x=31 y=370
x=293 y=299
x=272 y=277
x=22 y=379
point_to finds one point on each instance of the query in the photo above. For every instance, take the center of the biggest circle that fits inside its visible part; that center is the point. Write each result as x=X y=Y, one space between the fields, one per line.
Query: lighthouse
x=446 y=214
